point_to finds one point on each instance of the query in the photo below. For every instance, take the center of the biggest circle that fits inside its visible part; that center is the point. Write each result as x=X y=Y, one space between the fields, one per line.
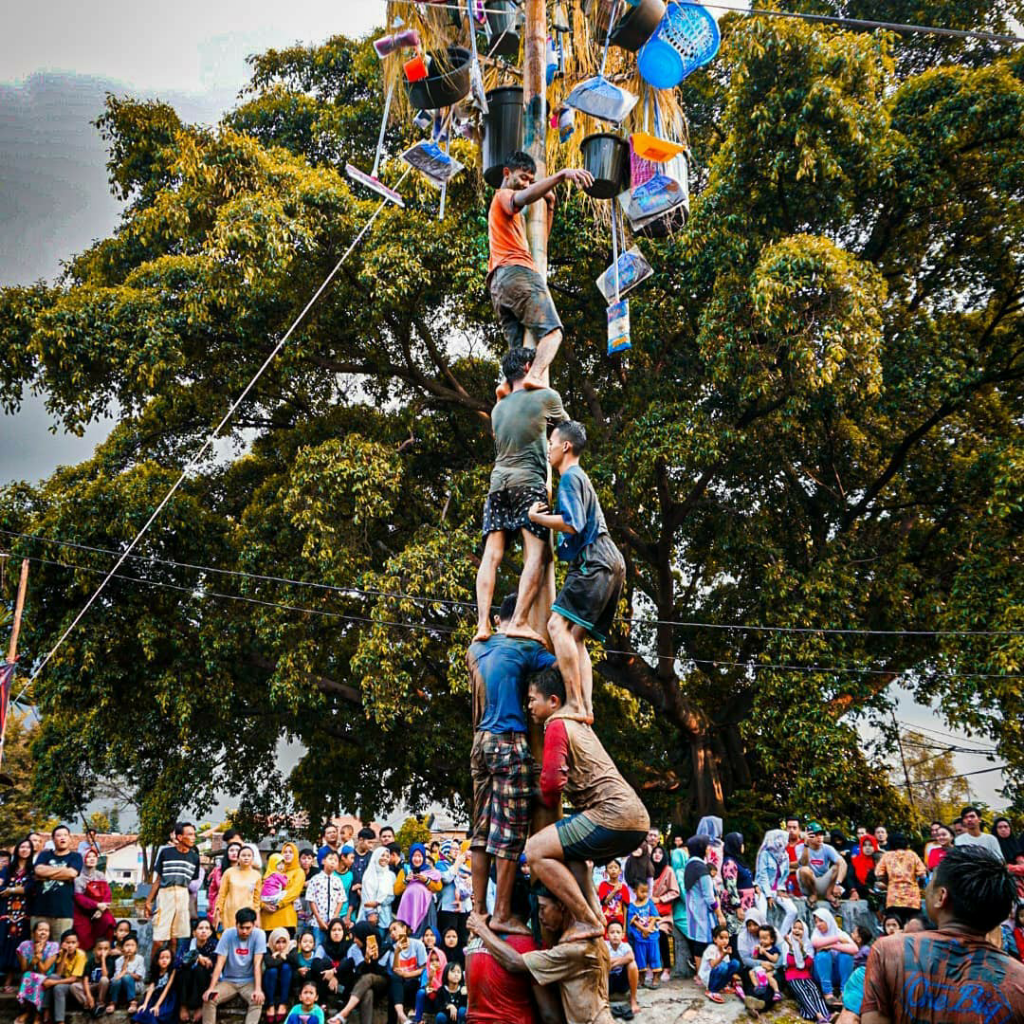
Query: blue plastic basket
x=687 y=39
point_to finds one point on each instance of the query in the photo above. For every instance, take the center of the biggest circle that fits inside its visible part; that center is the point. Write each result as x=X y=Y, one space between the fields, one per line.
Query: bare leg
x=540 y=373
x=480 y=866
x=535 y=558
x=494 y=551
x=586 y=671
x=633 y=973
x=568 y=655
x=547 y=865
x=502 y=919
x=585 y=880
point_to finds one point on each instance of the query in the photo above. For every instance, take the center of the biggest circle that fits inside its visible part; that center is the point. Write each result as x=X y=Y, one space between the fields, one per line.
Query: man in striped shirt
x=176 y=866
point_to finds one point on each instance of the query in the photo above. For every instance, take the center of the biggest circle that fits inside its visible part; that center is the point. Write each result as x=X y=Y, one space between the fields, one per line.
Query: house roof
x=108 y=842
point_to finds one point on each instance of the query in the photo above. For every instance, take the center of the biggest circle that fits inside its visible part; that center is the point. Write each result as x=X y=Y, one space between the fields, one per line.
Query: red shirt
x=495 y=996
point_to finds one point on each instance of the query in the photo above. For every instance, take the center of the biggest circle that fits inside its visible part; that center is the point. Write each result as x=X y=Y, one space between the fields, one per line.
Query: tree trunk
x=706 y=791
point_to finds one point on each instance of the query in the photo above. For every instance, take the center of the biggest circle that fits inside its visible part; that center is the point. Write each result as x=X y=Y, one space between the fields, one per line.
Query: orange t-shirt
x=506 y=234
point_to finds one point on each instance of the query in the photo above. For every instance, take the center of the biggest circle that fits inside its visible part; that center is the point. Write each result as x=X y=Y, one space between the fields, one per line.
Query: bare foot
x=581 y=931
x=503 y=390
x=483 y=632
x=523 y=632
x=509 y=926
x=532 y=384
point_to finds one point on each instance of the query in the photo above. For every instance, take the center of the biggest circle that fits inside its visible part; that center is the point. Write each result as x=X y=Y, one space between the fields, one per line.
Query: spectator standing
x=666 y=893
x=1008 y=842
x=737 y=880
x=55 y=872
x=16 y=884
x=228 y=860
x=614 y=895
x=456 y=899
x=862 y=882
x=364 y=841
x=282 y=913
x=643 y=933
x=952 y=975
x=326 y=895
x=239 y=887
x=702 y=910
x=90 y=842
x=233 y=835
x=331 y=843
x=973 y=836
x=92 y=917
x=902 y=871
x=238 y=970
x=175 y=868
x=881 y=838
x=943 y=844
x=378 y=888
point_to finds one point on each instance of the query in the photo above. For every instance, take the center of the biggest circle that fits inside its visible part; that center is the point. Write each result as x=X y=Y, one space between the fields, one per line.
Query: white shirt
x=986 y=839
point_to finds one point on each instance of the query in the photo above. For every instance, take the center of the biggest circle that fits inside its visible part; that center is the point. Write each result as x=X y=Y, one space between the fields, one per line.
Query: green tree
x=413 y=830
x=20 y=812
x=818 y=427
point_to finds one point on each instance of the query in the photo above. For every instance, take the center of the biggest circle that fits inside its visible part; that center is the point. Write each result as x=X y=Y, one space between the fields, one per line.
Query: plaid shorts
x=502 y=776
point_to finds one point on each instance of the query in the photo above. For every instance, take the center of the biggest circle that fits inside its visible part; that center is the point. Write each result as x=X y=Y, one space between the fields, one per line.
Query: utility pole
x=535 y=122
x=12 y=657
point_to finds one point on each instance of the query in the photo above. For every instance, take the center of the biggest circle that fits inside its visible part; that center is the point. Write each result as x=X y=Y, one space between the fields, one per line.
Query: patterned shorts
x=502 y=776
x=509 y=510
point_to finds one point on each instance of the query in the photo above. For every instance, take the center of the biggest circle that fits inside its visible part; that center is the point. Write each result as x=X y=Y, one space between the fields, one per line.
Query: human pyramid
x=512 y=667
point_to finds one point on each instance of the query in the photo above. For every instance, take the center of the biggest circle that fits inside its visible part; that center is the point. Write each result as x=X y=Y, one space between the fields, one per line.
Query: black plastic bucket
x=606 y=156
x=638 y=24
x=502 y=19
x=503 y=131
x=447 y=82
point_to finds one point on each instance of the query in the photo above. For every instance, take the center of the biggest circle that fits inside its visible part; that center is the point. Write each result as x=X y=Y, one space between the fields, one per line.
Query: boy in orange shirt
x=519 y=294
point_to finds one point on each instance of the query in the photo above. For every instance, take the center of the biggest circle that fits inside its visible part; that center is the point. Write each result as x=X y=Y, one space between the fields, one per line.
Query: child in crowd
x=194 y=969
x=129 y=974
x=853 y=990
x=643 y=935
x=431 y=981
x=718 y=968
x=99 y=969
x=121 y=932
x=277 y=976
x=66 y=976
x=452 y=998
x=766 y=956
x=301 y=960
x=892 y=924
x=624 y=975
x=35 y=957
x=307 y=1011
x=159 y=1003
x=614 y=894
x=798 y=958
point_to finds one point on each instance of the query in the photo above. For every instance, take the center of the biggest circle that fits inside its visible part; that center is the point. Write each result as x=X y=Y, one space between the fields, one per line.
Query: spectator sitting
x=64 y=979
x=624 y=975
x=239 y=968
x=718 y=968
x=798 y=958
x=452 y=998
x=821 y=868
x=160 y=1001
x=129 y=975
x=969 y=895
x=834 y=951
x=306 y=1012
x=195 y=968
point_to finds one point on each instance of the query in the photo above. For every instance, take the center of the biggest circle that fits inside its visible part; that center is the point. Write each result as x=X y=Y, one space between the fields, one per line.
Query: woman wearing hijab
x=771 y=876
x=416 y=884
x=332 y=967
x=92 y=919
x=702 y=909
x=638 y=868
x=1008 y=842
x=711 y=827
x=229 y=860
x=737 y=881
x=666 y=894
x=371 y=979
x=798 y=960
x=834 y=951
x=747 y=937
x=378 y=889
x=861 y=881
x=903 y=872
x=681 y=966
x=239 y=887
x=283 y=914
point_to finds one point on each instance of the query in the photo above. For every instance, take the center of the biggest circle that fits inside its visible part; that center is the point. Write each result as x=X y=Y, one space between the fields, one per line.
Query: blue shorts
x=582 y=839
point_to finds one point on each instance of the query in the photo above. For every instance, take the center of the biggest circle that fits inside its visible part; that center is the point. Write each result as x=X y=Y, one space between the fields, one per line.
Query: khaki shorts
x=172 y=920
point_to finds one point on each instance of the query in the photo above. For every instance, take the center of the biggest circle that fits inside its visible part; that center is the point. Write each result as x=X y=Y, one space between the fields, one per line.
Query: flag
x=6 y=681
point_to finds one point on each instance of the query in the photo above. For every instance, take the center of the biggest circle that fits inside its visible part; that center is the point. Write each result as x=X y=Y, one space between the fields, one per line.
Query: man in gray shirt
x=518 y=480
x=973 y=836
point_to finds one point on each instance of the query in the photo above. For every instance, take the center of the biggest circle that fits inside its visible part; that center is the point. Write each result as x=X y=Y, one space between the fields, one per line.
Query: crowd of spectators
x=326 y=933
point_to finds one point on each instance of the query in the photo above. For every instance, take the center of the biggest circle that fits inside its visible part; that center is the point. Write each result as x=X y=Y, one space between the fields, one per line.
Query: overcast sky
x=56 y=62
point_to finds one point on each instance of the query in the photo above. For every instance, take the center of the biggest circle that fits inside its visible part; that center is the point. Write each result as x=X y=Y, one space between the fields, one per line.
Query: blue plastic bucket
x=687 y=39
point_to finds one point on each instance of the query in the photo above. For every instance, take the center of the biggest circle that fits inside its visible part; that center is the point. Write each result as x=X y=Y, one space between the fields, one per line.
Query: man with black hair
x=238 y=970
x=519 y=293
x=55 y=872
x=609 y=819
x=365 y=838
x=175 y=867
x=501 y=763
x=973 y=836
x=952 y=975
x=518 y=480
x=587 y=601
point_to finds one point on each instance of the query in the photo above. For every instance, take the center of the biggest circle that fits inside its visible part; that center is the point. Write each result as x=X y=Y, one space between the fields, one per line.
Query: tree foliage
x=818 y=427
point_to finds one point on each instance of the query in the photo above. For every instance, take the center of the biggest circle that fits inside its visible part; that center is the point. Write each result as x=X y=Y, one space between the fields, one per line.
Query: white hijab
x=833 y=930
x=378 y=880
x=745 y=942
x=802 y=950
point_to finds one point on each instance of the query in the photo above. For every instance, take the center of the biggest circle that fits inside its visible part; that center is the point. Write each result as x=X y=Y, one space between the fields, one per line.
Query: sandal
x=715 y=997
x=133 y=1007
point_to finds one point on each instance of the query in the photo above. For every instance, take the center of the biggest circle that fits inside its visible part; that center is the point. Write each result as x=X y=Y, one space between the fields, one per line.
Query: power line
x=962 y=775
x=194 y=461
x=202 y=593
x=354 y=591
x=935 y=732
x=826 y=19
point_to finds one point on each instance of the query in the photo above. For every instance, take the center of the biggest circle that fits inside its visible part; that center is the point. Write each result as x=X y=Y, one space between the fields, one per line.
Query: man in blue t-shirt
x=501 y=763
x=55 y=871
x=238 y=970
x=820 y=868
x=587 y=601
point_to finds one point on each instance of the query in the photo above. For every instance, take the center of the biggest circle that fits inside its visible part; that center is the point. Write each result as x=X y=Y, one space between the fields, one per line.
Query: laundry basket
x=687 y=39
